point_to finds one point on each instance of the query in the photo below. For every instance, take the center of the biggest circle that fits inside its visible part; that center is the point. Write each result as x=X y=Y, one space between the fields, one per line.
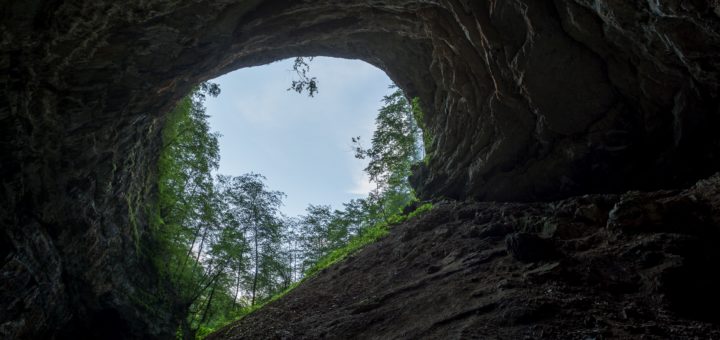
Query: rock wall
x=523 y=100
x=541 y=99
x=631 y=266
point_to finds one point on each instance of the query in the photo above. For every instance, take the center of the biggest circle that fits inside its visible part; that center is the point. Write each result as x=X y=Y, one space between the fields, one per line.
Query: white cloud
x=362 y=185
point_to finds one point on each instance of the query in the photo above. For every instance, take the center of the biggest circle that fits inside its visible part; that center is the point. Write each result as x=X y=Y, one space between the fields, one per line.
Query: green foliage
x=356 y=243
x=321 y=231
x=326 y=236
x=420 y=121
x=221 y=241
x=190 y=152
x=366 y=236
x=422 y=209
x=304 y=82
x=185 y=220
x=252 y=205
x=395 y=145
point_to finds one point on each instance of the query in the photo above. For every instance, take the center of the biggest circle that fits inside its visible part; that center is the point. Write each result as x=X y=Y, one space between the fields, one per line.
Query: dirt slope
x=632 y=266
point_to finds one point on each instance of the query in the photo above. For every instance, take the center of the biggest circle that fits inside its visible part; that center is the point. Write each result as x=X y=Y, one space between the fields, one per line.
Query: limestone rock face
x=523 y=100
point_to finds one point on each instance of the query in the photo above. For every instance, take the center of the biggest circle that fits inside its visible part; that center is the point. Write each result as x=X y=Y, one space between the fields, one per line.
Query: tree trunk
x=255 y=275
x=207 y=306
x=196 y=234
x=237 y=284
x=187 y=332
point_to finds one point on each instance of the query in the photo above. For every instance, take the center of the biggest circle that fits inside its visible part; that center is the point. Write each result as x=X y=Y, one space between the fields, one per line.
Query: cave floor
x=631 y=266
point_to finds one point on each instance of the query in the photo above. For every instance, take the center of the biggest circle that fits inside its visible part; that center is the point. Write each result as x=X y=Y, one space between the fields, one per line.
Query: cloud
x=362 y=185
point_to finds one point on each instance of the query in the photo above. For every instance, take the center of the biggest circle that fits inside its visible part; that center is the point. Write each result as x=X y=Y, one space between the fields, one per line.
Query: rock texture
x=546 y=98
x=523 y=100
x=632 y=266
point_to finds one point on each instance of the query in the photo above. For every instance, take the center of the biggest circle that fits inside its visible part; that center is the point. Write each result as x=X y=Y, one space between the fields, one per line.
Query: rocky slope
x=524 y=100
x=631 y=266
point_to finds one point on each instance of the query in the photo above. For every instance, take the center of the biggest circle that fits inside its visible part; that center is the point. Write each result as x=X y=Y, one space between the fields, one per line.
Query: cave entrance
x=301 y=144
x=261 y=186
x=525 y=100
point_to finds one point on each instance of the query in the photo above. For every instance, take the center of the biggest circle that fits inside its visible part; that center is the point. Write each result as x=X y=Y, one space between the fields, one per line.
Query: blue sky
x=301 y=144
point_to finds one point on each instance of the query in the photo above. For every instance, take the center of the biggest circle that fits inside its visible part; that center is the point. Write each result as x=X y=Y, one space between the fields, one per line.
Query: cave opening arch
x=525 y=100
x=301 y=144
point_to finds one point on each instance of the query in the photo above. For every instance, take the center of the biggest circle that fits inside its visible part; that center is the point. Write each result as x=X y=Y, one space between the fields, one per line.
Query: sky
x=300 y=144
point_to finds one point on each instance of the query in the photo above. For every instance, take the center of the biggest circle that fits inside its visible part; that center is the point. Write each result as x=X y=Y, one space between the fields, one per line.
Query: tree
x=321 y=231
x=256 y=208
x=395 y=146
x=304 y=82
x=223 y=243
x=187 y=223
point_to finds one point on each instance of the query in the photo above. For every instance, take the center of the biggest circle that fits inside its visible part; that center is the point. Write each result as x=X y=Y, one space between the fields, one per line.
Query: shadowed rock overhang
x=523 y=100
